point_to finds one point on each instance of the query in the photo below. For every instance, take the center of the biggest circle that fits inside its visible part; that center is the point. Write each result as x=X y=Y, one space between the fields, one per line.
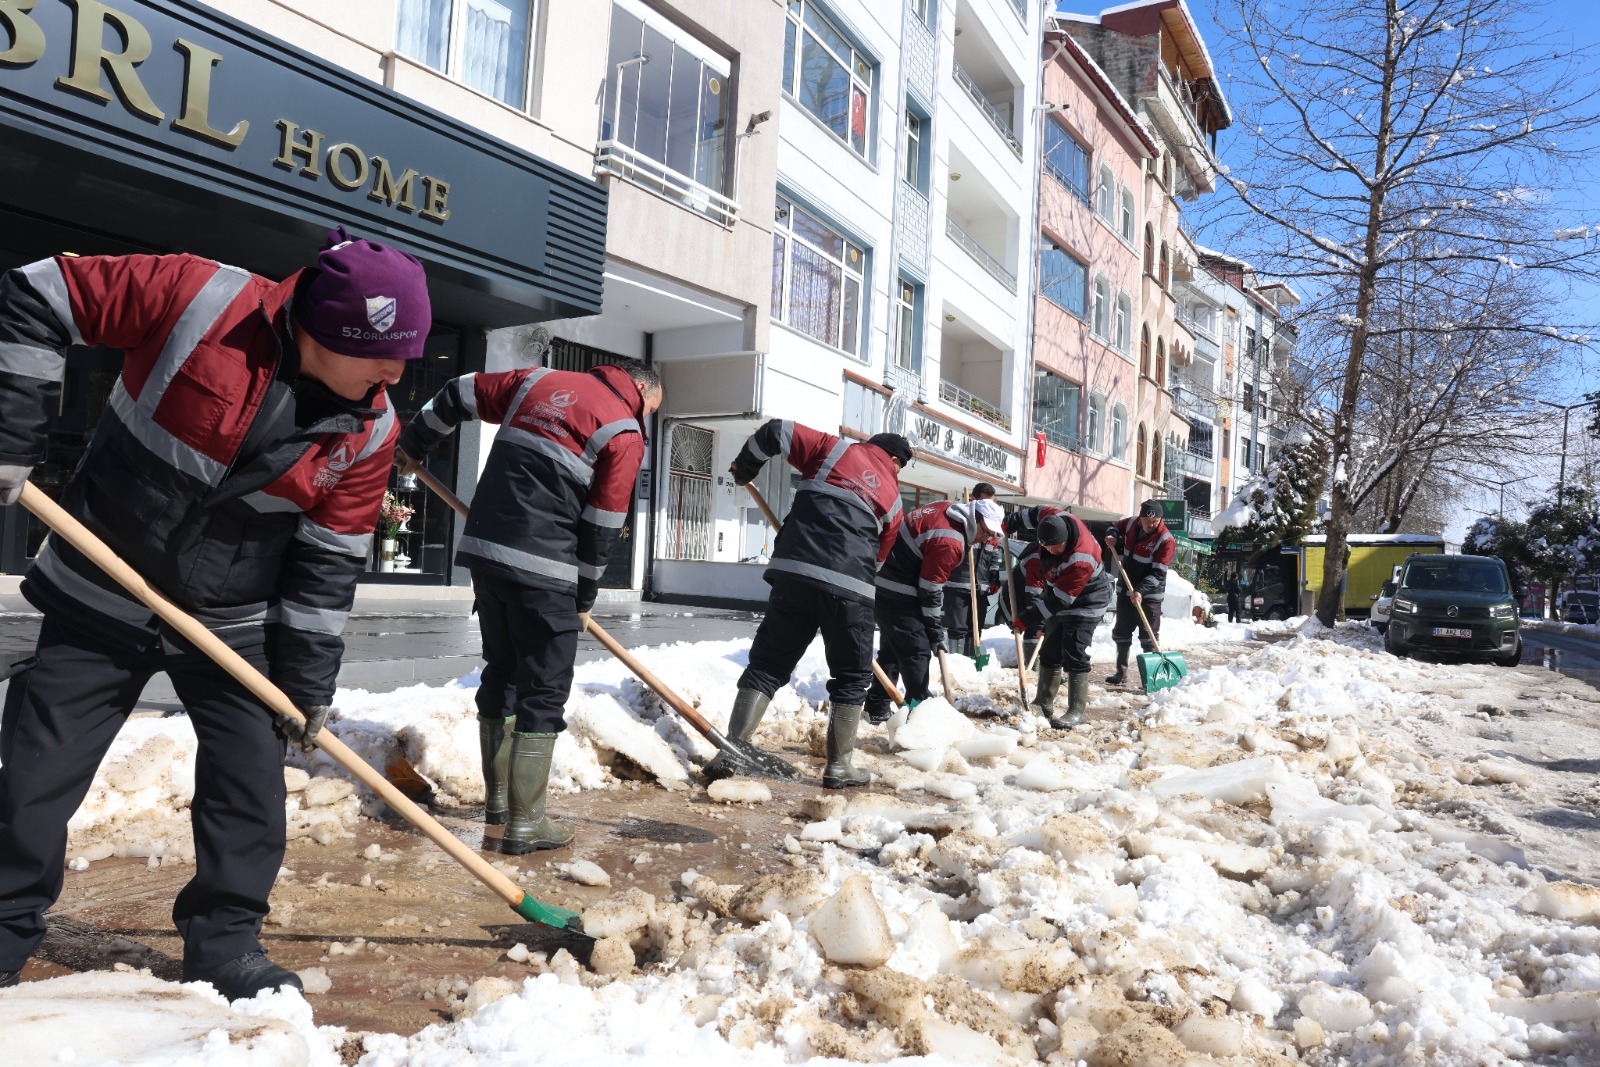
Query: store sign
x=1175 y=513
x=176 y=88
x=960 y=446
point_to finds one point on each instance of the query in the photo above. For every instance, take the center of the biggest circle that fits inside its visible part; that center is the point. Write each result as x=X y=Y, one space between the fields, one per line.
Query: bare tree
x=1399 y=148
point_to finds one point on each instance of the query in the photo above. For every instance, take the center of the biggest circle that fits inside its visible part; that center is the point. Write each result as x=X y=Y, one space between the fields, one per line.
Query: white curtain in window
x=486 y=57
x=425 y=30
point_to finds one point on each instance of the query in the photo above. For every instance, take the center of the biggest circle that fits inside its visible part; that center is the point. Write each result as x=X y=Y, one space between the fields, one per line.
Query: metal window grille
x=689 y=520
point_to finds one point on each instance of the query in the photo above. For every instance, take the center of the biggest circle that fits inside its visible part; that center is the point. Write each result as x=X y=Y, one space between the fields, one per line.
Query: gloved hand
x=740 y=475
x=936 y=639
x=1033 y=616
x=305 y=735
x=588 y=593
x=405 y=463
x=994 y=587
x=1013 y=523
x=410 y=447
x=12 y=477
x=1018 y=626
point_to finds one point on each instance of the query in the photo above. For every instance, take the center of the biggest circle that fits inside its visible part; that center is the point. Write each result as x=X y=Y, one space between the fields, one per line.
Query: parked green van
x=1455 y=604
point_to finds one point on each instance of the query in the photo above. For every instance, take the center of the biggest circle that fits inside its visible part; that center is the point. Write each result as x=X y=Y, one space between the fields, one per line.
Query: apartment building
x=1230 y=394
x=900 y=244
x=1153 y=56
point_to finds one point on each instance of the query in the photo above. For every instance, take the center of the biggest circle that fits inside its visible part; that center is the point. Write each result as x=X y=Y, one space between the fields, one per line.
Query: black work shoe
x=244 y=977
x=9 y=978
x=1119 y=678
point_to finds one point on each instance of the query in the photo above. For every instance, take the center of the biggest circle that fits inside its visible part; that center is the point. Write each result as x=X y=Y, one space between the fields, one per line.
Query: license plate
x=1450 y=631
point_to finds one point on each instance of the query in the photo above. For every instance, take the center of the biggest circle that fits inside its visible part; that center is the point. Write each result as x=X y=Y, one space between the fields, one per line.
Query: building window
x=1227 y=444
x=670 y=106
x=1097 y=423
x=1249 y=397
x=913 y=497
x=1144 y=351
x=1141 y=447
x=1129 y=215
x=1066 y=160
x=924 y=10
x=483 y=44
x=912 y=171
x=1119 y=432
x=1261 y=456
x=1105 y=197
x=1155 y=458
x=1122 y=328
x=816 y=278
x=828 y=75
x=1162 y=277
x=1061 y=277
x=1055 y=409
x=1160 y=375
x=1149 y=249
x=906 y=323
x=1100 y=314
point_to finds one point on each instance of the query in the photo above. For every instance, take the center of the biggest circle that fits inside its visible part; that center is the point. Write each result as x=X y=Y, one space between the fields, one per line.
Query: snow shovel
x=73 y=532
x=877 y=671
x=1158 y=669
x=747 y=760
x=944 y=677
x=979 y=655
x=1010 y=589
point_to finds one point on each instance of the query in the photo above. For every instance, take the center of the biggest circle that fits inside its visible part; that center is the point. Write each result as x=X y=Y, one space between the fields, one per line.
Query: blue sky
x=1578 y=23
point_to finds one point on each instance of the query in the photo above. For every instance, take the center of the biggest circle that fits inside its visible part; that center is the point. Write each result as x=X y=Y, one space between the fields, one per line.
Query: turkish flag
x=1038 y=455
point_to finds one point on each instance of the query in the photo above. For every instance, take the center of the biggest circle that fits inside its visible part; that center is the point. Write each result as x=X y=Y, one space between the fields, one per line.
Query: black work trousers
x=796 y=612
x=1066 y=642
x=61 y=715
x=903 y=651
x=530 y=644
x=1127 y=623
x=958 y=620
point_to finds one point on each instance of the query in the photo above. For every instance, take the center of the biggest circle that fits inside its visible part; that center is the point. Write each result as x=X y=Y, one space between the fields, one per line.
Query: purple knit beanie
x=366 y=300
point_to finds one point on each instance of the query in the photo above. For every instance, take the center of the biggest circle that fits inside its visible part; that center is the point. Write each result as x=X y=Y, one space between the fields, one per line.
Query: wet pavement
x=1576 y=655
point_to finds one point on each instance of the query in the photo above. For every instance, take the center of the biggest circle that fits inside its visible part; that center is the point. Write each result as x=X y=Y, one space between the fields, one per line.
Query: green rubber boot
x=529 y=830
x=748 y=708
x=494 y=738
x=839 y=772
x=1077 y=702
x=1044 y=694
x=1121 y=675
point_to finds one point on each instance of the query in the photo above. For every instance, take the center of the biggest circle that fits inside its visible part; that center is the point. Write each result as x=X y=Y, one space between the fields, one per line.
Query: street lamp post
x=1566 y=420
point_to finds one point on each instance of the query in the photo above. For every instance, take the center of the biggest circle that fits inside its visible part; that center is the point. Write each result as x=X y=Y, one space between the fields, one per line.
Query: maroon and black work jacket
x=1074 y=583
x=845 y=513
x=244 y=493
x=1023 y=524
x=1145 y=556
x=933 y=541
x=558 y=486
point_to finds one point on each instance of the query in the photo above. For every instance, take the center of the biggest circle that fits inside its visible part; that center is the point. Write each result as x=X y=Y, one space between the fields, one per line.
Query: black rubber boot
x=1044 y=694
x=9 y=978
x=1077 y=702
x=748 y=708
x=1121 y=675
x=839 y=772
x=494 y=738
x=245 y=976
x=529 y=830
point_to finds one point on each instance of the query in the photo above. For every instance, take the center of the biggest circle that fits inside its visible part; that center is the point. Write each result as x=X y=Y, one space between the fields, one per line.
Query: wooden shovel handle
x=1011 y=595
x=644 y=674
x=1143 y=620
x=877 y=671
x=74 y=533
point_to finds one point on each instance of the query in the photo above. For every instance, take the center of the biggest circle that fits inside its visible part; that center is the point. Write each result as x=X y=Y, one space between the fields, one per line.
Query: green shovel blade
x=1161 y=670
x=981 y=659
x=547 y=914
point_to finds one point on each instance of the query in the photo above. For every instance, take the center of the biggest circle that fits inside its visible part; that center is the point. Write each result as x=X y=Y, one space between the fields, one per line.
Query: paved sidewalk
x=390 y=644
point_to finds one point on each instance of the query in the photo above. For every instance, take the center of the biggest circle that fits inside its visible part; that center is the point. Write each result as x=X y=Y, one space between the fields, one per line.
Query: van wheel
x=1393 y=648
x=1275 y=615
x=1511 y=659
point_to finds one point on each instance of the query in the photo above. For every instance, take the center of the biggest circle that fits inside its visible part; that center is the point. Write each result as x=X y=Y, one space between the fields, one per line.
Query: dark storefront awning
x=164 y=125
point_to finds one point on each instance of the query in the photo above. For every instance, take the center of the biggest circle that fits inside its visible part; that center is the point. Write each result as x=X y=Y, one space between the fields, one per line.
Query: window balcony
x=973 y=404
x=1191 y=400
x=980 y=255
x=1173 y=112
x=1000 y=122
x=616 y=158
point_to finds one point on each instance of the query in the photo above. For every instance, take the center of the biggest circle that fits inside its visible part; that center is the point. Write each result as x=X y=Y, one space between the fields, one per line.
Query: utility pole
x=1566 y=420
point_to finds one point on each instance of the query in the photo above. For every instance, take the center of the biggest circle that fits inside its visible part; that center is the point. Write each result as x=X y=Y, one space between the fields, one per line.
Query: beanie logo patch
x=381 y=312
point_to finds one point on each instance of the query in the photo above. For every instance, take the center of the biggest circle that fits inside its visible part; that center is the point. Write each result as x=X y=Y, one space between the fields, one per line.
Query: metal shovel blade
x=748 y=761
x=1161 y=670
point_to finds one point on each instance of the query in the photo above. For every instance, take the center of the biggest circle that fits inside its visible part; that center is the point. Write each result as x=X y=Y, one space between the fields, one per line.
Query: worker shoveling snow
x=1298 y=855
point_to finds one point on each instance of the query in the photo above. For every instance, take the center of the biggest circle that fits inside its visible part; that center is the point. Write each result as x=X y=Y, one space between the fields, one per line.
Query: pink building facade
x=1087 y=396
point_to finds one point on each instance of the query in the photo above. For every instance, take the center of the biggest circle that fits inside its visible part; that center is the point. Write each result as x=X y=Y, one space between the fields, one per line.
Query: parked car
x=1382 y=605
x=1580 y=605
x=1455 y=604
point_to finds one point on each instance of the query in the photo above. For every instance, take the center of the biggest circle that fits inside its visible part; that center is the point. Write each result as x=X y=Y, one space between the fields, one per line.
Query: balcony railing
x=1060 y=436
x=958 y=397
x=1191 y=463
x=904 y=380
x=1198 y=325
x=614 y=157
x=1001 y=124
x=981 y=255
x=1197 y=402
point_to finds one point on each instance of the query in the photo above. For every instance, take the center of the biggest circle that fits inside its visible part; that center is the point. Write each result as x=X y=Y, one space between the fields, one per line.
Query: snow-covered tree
x=1397 y=147
x=1280 y=504
x=1561 y=539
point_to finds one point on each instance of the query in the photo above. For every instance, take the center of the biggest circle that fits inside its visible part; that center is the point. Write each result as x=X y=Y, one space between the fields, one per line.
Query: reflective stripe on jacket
x=933 y=540
x=1145 y=556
